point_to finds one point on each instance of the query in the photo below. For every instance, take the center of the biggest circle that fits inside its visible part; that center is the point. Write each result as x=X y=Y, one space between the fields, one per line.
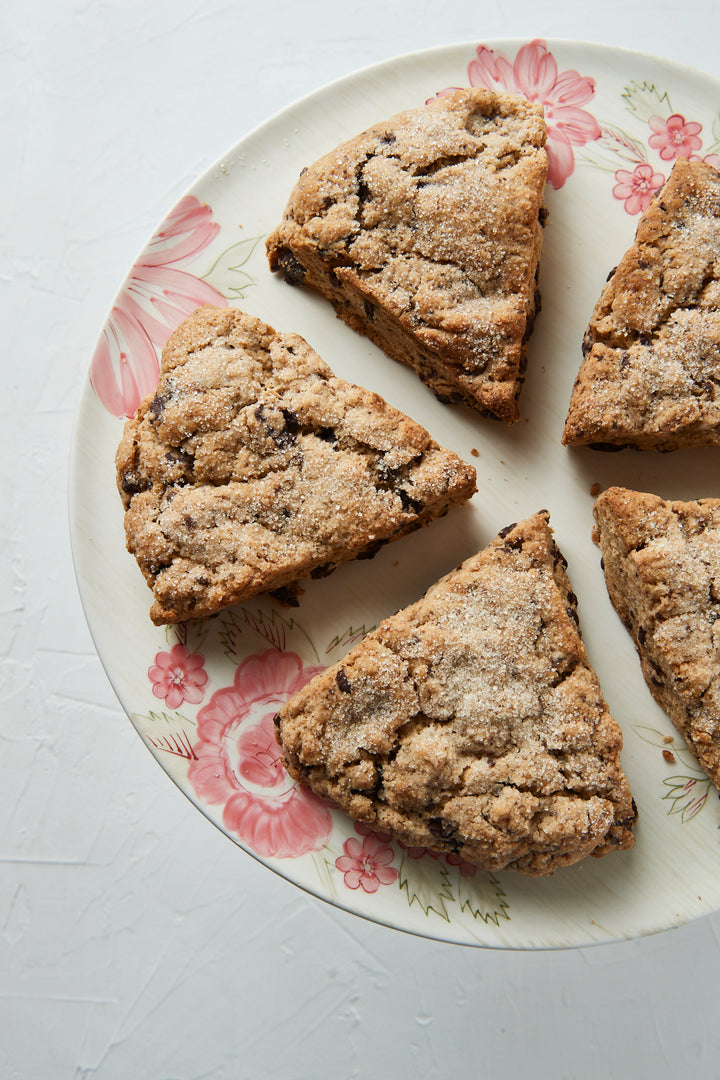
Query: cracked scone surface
x=662 y=567
x=252 y=466
x=472 y=721
x=425 y=234
x=650 y=378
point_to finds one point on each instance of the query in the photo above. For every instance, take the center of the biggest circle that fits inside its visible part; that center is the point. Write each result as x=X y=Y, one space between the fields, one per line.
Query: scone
x=651 y=374
x=662 y=568
x=472 y=721
x=425 y=232
x=252 y=466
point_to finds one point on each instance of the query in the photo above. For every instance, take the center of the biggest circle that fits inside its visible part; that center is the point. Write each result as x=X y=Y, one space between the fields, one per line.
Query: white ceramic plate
x=202 y=696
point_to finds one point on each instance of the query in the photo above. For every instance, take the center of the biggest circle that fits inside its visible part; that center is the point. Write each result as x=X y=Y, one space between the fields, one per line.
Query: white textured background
x=137 y=942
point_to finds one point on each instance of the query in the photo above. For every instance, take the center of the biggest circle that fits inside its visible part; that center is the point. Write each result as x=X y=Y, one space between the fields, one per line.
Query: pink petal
x=278 y=827
x=561 y=159
x=174 y=697
x=577 y=124
x=636 y=203
x=353 y=848
x=353 y=878
x=571 y=89
x=490 y=70
x=208 y=774
x=124 y=367
x=535 y=70
x=192 y=693
x=187 y=229
x=386 y=875
x=369 y=882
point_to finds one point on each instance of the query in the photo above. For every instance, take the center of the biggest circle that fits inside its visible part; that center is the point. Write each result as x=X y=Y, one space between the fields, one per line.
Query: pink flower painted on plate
x=178 y=676
x=366 y=864
x=637 y=188
x=534 y=73
x=156 y=298
x=674 y=137
x=239 y=764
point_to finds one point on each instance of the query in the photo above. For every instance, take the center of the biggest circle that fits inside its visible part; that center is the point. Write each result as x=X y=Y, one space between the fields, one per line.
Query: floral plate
x=202 y=696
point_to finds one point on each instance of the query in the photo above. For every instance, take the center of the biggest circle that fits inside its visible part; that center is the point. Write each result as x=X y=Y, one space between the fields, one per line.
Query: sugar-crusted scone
x=425 y=233
x=472 y=721
x=662 y=568
x=252 y=466
x=651 y=374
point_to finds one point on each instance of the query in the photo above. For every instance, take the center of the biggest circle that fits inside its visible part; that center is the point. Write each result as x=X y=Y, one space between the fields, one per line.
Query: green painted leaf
x=227 y=274
x=645 y=99
x=480 y=894
x=423 y=881
x=348 y=638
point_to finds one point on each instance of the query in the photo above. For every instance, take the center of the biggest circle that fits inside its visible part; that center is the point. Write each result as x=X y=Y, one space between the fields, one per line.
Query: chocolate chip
x=284 y=436
x=285 y=595
x=342 y=681
x=132 y=484
x=327 y=434
x=371 y=550
x=414 y=506
x=157 y=405
x=388 y=138
x=543 y=215
x=369 y=309
x=364 y=193
x=322 y=571
x=293 y=271
x=611 y=274
x=508 y=529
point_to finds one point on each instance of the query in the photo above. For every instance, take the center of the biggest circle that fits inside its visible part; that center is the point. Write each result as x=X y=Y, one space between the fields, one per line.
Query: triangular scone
x=662 y=568
x=425 y=233
x=472 y=721
x=651 y=374
x=252 y=466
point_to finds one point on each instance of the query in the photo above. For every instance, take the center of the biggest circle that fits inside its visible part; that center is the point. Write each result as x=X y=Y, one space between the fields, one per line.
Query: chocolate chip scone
x=472 y=721
x=425 y=232
x=651 y=374
x=662 y=568
x=252 y=466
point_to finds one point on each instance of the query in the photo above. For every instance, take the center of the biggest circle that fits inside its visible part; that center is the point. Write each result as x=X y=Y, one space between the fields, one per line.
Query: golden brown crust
x=425 y=234
x=252 y=466
x=651 y=374
x=472 y=721
x=662 y=568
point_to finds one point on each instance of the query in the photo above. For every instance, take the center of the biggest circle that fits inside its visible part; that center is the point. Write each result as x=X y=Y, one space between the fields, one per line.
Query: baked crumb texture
x=425 y=232
x=651 y=374
x=662 y=568
x=472 y=721
x=252 y=466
